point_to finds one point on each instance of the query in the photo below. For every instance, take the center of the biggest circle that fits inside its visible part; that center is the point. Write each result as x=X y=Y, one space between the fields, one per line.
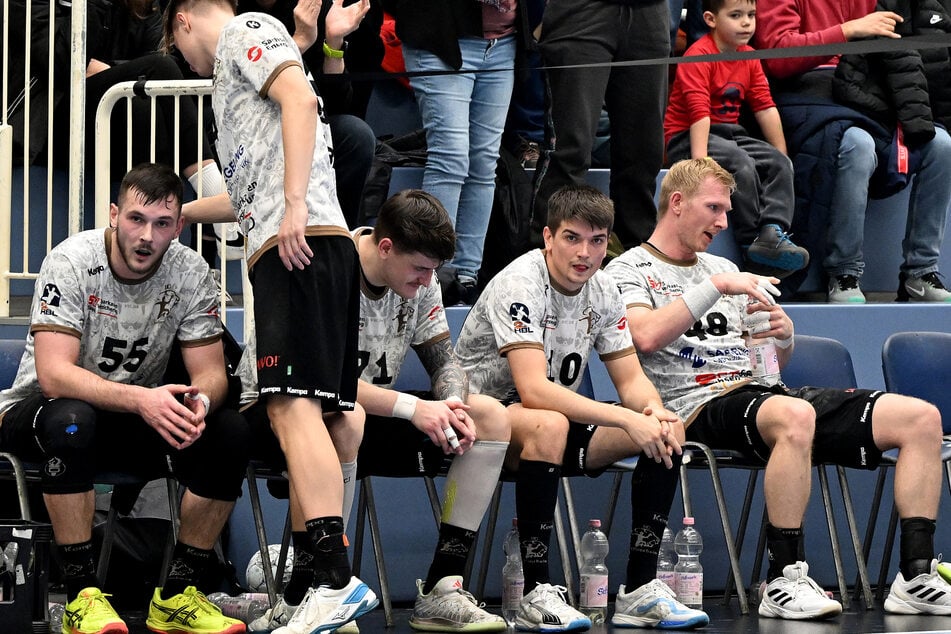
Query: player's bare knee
x=490 y=418
x=793 y=422
x=924 y=423
x=346 y=432
x=543 y=436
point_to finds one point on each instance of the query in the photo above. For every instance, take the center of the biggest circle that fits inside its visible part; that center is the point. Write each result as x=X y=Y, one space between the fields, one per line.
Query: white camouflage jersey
x=711 y=357
x=252 y=50
x=126 y=329
x=390 y=325
x=521 y=307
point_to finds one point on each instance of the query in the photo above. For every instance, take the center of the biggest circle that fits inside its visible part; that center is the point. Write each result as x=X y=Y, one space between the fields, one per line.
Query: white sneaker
x=348 y=628
x=928 y=593
x=795 y=596
x=545 y=609
x=325 y=609
x=654 y=604
x=449 y=608
x=274 y=617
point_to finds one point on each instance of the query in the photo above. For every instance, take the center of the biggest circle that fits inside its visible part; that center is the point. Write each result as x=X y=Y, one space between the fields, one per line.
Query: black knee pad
x=214 y=467
x=66 y=431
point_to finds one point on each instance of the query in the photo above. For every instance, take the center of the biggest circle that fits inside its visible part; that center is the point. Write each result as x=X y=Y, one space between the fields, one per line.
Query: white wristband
x=701 y=298
x=784 y=343
x=204 y=401
x=405 y=406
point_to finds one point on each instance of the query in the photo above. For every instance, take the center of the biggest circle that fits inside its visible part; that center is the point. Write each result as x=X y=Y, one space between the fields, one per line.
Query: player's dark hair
x=416 y=222
x=714 y=6
x=153 y=182
x=580 y=202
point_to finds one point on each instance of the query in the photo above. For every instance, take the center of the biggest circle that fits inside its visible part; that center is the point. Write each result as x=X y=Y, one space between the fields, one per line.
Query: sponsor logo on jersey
x=592 y=316
x=403 y=315
x=521 y=322
x=232 y=165
x=268 y=361
x=255 y=53
x=711 y=378
x=102 y=306
x=659 y=286
x=622 y=323
x=49 y=299
x=96 y=270
x=253 y=24
x=165 y=303
x=433 y=313
x=642 y=265
x=272 y=43
x=550 y=322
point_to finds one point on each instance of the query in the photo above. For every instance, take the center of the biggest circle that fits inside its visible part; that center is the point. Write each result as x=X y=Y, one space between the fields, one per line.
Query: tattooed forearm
x=449 y=379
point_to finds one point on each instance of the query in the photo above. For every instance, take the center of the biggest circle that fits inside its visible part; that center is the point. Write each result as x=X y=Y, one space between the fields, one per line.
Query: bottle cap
x=594 y=523
x=688 y=521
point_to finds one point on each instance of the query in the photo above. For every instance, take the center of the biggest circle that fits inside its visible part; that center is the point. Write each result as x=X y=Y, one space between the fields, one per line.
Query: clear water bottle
x=513 y=579
x=667 y=559
x=57 y=610
x=245 y=607
x=594 y=573
x=688 y=572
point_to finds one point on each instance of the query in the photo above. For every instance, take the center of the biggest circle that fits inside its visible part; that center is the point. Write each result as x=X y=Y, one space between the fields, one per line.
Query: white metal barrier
x=18 y=98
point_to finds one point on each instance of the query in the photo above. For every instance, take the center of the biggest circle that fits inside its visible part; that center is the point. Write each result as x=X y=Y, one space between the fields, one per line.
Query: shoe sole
x=441 y=625
x=897 y=605
x=625 y=621
x=571 y=627
x=786 y=261
x=779 y=613
x=237 y=628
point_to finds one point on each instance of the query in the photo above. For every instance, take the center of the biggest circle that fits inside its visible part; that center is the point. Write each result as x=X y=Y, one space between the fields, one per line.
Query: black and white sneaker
x=927 y=288
x=796 y=596
x=928 y=593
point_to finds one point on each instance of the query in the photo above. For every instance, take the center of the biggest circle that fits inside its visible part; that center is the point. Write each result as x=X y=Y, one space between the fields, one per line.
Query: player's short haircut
x=152 y=182
x=176 y=6
x=416 y=222
x=687 y=176
x=714 y=6
x=580 y=202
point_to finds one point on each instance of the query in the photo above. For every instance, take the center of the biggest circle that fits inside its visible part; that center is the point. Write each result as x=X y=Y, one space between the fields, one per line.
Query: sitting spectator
x=702 y=120
x=840 y=155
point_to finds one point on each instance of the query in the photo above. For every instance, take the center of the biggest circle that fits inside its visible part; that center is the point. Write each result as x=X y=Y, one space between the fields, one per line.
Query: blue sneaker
x=654 y=605
x=773 y=253
x=325 y=609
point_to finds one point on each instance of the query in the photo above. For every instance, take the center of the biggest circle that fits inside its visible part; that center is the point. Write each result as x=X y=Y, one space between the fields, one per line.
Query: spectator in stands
x=310 y=22
x=526 y=341
x=841 y=155
x=681 y=299
x=525 y=124
x=128 y=35
x=703 y=120
x=463 y=113
x=90 y=396
x=686 y=15
x=300 y=252
x=408 y=434
x=591 y=32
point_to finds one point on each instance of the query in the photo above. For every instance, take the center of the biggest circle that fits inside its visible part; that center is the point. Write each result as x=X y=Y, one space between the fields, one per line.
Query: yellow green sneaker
x=944 y=569
x=91 y=613
x=189 y=613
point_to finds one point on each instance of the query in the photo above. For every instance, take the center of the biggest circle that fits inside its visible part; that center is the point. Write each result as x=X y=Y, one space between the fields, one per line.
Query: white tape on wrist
x=784 y=343
x=701 y=298
x=204 y=400
x=405 y=406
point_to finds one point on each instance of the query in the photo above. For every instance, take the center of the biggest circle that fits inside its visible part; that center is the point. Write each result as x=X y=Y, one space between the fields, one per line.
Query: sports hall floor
x=724 y=620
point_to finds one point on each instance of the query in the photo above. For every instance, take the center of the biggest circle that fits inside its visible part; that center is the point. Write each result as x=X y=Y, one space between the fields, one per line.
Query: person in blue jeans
x=463 y=113
x=845 y=170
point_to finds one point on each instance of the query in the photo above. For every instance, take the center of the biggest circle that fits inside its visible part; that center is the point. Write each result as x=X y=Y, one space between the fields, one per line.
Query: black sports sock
x=185 y=569
x=302 y=572
x=452 y=553
x=536 y=492
x=331 y=564
x=78 y=567
x=917 y=546
x=784 y=546
x=653 y=487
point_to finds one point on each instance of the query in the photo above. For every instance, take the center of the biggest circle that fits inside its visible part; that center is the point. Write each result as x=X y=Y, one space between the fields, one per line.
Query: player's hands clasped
x=444 y=420
x=180 y=424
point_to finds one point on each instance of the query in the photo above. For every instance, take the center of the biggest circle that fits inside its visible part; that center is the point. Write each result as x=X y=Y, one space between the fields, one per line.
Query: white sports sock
x=349 y=470
x=470 y=483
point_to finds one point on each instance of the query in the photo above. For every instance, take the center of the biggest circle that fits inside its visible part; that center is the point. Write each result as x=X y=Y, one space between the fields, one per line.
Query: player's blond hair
x=687 y=176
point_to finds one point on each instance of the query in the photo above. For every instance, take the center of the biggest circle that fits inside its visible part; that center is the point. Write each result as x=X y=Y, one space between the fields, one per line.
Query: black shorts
x=843 y=423
x=395 y=448
x=306 y=324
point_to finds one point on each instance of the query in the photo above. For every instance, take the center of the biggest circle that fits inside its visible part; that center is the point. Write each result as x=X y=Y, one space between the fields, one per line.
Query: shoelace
x=561 y=591
x=95 y=601
x=847 y=282
x=933 y=279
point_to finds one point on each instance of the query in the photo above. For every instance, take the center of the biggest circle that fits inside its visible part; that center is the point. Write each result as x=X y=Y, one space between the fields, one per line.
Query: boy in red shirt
x=702 y=120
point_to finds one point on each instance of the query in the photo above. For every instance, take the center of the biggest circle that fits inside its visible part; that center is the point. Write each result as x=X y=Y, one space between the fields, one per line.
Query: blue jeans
x=463 y=115
x=927 y=206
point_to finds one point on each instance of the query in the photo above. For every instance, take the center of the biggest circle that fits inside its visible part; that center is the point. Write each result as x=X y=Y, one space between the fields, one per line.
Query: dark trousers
x=594 y=31
x=764 y=178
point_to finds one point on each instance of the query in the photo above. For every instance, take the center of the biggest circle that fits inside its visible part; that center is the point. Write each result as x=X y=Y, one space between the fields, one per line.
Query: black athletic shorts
x=306 y=323
x=843 y=423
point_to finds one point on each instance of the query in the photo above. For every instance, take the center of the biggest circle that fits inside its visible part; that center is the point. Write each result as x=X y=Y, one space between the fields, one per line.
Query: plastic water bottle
x=57 y=610
x=244 y=607
x=513 y=578
x=764 y=360
x=667 y=559
x=688 y=572
x=594 y=573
